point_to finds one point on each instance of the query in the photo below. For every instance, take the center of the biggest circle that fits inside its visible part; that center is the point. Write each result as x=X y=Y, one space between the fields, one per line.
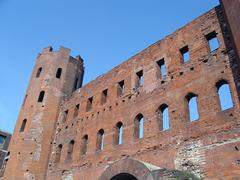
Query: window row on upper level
x=161 y=72
x=163 y=121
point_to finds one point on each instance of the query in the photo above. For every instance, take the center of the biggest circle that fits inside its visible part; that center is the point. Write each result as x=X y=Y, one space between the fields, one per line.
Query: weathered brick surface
x=208 y=147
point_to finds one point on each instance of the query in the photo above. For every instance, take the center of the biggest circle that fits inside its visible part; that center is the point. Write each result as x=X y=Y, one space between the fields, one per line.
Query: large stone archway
x=124 y=176
x=128 y=168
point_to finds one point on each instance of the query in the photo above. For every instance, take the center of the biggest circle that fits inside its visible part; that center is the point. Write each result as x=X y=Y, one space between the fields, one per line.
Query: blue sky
x=104 y=33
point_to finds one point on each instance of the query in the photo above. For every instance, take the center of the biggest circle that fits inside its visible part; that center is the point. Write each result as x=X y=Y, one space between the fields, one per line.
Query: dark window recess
x=23 y=125
x=76 y=110
x=212 y=41
x=75 y=84
x=224 y=95
x=89 y=103
x=161 y=69
x=39 y=72
x=185 y=54
x=84 y=145
x=58 y=153
x=65 y=115
x=100 y=140
x=70 y=150
x=104 y=96
x=139 y=79
x=59 y=73
x=120 y=88
x=41 y=96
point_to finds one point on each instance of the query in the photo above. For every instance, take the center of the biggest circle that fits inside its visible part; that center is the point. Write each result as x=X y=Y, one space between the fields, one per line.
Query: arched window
x=70 y=150
x=59 y=73
x=39 y=72
x=118 y=133
x=41 y=96
x=76 y=110
x=192 y=107
x=139 y=126
x=23 y=125
x=224 y=95
x=58 y=153
x=100 y=139
x=84 y=145
x=163 y=117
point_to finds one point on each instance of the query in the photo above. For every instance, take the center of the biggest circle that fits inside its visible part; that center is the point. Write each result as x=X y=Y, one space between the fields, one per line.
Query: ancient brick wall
x=208 y=147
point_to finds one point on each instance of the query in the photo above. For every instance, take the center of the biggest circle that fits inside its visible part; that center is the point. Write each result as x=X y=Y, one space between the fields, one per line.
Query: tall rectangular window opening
x=76 y=110
x=65 y=115
x=75 y=84
x=139 y=126
x=163 y=117
x=39 y=72
x=212 y=41
x=70 y=150
x=100 y=140
x=185 y=54
x=41 y=96
x=121 y=88
x=84 y=145
x=140 y=79
x=59 y=73
x=118 y=133
x=58 y=153
x=161 y=69
x=224 y=95
x=192 y=106
x=104 y=96
x=23 y=125
x=89 y=103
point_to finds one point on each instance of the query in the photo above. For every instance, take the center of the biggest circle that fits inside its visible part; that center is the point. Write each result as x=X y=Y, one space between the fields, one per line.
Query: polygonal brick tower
x=55 y=76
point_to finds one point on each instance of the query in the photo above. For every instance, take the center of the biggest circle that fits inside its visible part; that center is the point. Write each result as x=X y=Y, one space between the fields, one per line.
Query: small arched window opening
x=58 y=153
x=59 y=73
x=23 y=125
x=84 y=145
x=163 y=117
x=192 y=100
x=65 y=116
x=100 y=140
x=70 y=150
x=39 y=72
x=76 y=110
x=118 y=133
x=41 y=96
x=224 y=95
x=139 y=126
